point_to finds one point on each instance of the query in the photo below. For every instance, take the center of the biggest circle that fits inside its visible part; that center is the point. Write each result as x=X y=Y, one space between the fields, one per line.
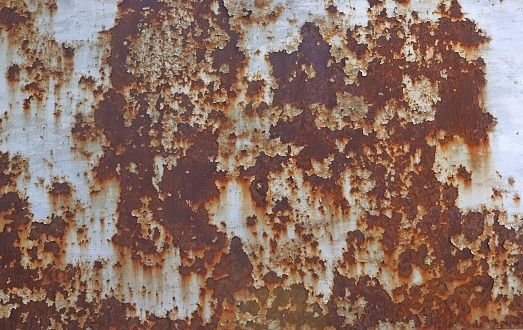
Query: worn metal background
x=261 y=164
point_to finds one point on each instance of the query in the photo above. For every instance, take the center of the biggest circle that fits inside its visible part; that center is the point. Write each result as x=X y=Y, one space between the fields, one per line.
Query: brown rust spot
x=373 y=3
x=88 y=81
x=332 y=9
x=10 y=17
x=60 y=189
x=68 y=51
x=464 y=174
x=13 y=73
x=55 y=229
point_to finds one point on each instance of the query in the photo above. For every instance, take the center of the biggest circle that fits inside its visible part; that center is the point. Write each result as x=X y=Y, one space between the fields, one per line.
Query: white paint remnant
x=77 y=20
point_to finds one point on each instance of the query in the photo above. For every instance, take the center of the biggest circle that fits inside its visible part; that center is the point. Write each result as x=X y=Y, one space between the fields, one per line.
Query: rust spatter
x=298 y=185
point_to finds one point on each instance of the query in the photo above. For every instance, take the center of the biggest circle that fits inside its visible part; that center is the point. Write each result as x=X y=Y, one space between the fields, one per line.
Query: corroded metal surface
x=265 y=165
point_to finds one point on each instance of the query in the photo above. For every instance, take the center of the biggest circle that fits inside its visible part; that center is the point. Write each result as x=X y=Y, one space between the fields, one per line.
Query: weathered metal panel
x=261 y=164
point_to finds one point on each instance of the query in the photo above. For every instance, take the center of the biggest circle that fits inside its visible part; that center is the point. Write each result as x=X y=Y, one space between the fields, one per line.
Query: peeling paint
x=265 y=165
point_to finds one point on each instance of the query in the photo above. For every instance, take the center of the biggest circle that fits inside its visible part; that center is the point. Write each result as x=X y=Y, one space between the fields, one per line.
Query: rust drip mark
x=465 y=175
x=348 y=142
x=306 y=77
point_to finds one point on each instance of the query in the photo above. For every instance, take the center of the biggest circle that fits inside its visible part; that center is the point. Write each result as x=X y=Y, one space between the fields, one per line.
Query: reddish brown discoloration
x=311 y=75
x=294 y=86
x=83 y=130
x=55 y=229
x=338 y=219
x=464 y=174
x=232 y=274
x=60 y=189
x=11 y=17
x=13 y=73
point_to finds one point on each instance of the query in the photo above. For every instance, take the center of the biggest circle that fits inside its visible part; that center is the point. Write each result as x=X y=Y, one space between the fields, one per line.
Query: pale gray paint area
x=82 y=20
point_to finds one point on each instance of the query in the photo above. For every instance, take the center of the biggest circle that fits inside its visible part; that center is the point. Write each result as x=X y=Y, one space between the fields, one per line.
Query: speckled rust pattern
x=345 y=221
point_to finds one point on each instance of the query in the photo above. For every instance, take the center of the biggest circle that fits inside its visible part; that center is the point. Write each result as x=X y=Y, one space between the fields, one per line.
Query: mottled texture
x=304 y=196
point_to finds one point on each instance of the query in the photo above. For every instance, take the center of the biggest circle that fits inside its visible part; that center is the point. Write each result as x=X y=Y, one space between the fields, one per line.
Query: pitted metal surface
x=258 y=164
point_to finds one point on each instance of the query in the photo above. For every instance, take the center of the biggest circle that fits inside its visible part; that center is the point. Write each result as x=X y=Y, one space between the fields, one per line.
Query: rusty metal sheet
x=286 y=164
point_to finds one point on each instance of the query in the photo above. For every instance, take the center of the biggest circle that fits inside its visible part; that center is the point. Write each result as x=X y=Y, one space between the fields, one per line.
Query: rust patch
x=60 y=189
x=55 y=229
x=368 y=151
x=306 y=196
x=13 y=73
x=11 y=17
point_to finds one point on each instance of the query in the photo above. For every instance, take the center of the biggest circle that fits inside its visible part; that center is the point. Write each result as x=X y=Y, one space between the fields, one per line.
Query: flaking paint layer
x=259 y=165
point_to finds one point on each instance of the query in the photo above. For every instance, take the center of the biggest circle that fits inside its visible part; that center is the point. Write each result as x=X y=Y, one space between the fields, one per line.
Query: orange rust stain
x=170 y=128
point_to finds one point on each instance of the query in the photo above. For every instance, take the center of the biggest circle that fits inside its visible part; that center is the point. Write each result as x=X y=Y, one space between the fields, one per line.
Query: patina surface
x=252 y=164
